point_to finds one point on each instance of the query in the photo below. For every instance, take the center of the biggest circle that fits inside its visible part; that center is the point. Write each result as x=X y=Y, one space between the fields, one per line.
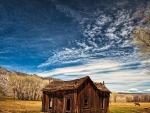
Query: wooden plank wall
x=93 y=99
x=59 y=101
x=45 y=102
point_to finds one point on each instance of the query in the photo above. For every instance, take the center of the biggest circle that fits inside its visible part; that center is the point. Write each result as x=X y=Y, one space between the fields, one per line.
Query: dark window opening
x=102 y=103
x=68 y=105
x=50 y=103
x=85 y=102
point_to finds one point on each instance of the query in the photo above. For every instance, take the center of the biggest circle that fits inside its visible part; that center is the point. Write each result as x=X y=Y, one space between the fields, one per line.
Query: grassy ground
x=8 y=105
x=128 y=107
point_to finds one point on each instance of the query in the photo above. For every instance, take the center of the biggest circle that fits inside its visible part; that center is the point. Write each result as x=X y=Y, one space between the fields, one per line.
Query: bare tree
x=1 y=91
x=26 y=87
x=141 y=36
x=114 y=95
x=12 y=85
x=129 y=97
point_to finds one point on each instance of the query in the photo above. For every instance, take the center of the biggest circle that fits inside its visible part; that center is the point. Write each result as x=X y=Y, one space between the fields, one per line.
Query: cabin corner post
x=52 y=93
x=108 y=98
x=108 y=105
x=43 y=101
x=46 y=102
x=75 y=102
x=64 y=103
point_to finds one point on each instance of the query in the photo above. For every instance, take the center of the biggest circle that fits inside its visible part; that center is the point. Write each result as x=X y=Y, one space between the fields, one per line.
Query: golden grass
x=18 y=106
x=128 y=107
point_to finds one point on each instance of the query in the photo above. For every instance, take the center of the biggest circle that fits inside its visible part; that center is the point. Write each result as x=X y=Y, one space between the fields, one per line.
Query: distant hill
x=4 y=74
x=142 y=93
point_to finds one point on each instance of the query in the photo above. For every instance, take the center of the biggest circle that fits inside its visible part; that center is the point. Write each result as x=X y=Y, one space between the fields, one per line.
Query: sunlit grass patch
x=18 y=106
x=128 y=107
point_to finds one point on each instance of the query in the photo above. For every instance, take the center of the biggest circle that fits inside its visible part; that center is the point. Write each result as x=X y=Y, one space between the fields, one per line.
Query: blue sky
x=75 y=38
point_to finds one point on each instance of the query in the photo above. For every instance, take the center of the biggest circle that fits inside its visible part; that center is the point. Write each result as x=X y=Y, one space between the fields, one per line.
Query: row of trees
x=1 y=91
x=138 y=98
x=141 y=98
x=26 y=87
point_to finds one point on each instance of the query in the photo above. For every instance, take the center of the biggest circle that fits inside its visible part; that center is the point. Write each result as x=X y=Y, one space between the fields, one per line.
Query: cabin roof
x=71 y=85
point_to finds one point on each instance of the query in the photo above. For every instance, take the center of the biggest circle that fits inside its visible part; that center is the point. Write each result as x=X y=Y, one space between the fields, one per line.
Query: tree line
x=115 y=97
x=25 y=87
x=141 y=98
x=138 y=98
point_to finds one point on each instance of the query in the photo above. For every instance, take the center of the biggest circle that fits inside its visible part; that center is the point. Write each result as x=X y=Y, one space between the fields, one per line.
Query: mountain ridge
x=10 y=72
x=4 y=74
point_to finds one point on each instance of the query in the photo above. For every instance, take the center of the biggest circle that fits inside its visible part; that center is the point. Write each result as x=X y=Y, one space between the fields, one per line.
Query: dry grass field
x=18 y=106
x=128 y=108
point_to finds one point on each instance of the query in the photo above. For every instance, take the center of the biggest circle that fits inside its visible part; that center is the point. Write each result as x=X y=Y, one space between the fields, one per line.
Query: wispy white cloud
x=133 y=89
x=102 y=70
x=84 y=46
x=147 y=90
x=136 y=90
x=66 y=56
x=126 y=44
x=112 y=35
x=89 y=66
x=101 y=35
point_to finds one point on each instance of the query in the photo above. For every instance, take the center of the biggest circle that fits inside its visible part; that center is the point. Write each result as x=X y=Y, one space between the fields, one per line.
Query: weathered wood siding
x=87 y=90
x=45 y=102
x=59 y=102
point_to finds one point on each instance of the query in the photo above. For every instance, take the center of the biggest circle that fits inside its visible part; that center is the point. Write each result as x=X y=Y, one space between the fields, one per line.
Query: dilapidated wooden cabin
x=75 y=96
